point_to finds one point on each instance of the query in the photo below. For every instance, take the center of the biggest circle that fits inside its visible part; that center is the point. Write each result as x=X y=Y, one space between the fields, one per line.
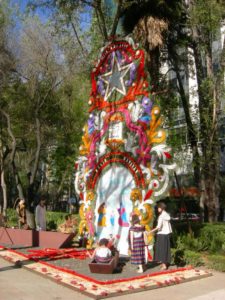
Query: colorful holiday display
x=124 y=164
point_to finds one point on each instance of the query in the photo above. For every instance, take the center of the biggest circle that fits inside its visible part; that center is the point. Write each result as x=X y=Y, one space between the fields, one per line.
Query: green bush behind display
x=208 y=237
x=53 y=218
x=204 y=246
x=216 y=262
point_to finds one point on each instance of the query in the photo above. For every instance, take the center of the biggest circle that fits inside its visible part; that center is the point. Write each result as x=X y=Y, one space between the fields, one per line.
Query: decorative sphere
x=160 y=134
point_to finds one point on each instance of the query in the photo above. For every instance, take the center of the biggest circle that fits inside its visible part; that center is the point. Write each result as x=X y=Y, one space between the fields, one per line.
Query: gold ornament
x=136 y=195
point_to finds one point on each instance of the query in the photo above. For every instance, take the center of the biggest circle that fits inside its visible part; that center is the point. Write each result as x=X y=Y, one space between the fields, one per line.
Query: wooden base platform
x=33 y=238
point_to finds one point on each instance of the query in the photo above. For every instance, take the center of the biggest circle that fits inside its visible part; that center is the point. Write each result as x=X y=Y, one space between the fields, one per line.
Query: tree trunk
x=192 y=135
x=209 y=108
x=30 y=219
x=13 y=153
x=38 y=150
x=4 y=190
x=153 y=66
x=32 y=188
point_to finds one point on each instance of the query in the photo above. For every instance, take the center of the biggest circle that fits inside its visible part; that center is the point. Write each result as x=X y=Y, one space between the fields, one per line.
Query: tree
x=6 y=69
x=193 y=27
x=205 y=24
x=161 y=25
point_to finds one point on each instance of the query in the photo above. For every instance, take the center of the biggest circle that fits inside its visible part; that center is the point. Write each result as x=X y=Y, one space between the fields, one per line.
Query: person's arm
x=93 y=254
x=131 y=239
x=37 y=217
x=109 y=252
x=166 y=217
x=158 y=227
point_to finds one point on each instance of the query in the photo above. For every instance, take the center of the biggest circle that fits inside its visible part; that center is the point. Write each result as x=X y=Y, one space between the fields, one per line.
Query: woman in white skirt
x=163 y=231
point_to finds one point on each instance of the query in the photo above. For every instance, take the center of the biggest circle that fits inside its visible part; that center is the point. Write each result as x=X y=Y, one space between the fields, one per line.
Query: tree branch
x=117 y=17
x=98 y=8
x=13 y=153
x=37 y=154
x=78 y=39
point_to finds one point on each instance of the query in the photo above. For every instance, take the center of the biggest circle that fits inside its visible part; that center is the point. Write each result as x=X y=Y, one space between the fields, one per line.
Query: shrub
x=182 y=257
x=216 y=262
x=210 y=237
x=12 y=218
x=56 y=218
x=177 y=257
x=53 y=218
x=193 y=258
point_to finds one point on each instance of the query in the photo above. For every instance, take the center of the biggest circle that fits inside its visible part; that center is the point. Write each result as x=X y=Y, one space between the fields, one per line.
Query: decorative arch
x=121 y=158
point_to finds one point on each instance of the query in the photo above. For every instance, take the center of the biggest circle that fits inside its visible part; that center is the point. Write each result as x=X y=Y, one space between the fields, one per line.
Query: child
x=102 y=254
x=137 y=243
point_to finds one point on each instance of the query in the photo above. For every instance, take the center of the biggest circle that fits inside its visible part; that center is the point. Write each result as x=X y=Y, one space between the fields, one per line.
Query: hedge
x=53 y=218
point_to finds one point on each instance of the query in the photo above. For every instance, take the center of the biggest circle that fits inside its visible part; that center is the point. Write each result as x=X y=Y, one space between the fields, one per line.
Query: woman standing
x=40 y=215
x=137 y=243
x=162 y=246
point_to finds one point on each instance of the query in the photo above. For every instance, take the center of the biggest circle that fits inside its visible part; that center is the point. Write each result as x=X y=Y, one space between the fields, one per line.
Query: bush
x=197 y=248
x=193 y=258
x=208 y=237
x=177 y=257
x=12 y=218
x=56 y=218
x=216 y=262
x=212 y=237
x=182 y=257
x=53 y=218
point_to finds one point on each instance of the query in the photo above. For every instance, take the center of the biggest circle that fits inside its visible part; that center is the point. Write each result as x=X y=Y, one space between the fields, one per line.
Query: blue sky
x=43 y=13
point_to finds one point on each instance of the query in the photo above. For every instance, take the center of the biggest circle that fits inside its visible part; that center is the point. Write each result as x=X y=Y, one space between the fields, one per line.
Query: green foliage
x=207 y=14
x=205 y=246
x=12 y=218
x=212 y=237
x=216 y=262
x=193 y=258
x=54 y=219
x=206 y=237
x=182 y=257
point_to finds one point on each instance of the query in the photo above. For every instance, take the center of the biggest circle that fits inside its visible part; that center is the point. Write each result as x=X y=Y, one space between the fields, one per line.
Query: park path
x=21 y=284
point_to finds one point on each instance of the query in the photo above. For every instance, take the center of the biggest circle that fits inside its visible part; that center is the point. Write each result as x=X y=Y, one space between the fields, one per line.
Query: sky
x=21 y=4
x=44 y=13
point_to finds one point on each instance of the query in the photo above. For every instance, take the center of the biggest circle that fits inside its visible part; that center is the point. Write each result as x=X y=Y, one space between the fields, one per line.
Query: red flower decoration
x=44 y=270
x=144 y=154
x=168 y=155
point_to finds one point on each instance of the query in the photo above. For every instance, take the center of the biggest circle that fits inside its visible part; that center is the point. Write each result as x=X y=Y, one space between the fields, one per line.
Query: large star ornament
x=115 y=78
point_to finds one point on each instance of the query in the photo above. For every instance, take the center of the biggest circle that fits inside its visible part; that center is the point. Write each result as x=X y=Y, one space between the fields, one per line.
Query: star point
x=114 y=79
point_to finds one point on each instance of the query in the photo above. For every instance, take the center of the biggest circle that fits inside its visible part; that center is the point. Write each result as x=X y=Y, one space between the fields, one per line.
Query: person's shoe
x=163 y=267
x=140 y=271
